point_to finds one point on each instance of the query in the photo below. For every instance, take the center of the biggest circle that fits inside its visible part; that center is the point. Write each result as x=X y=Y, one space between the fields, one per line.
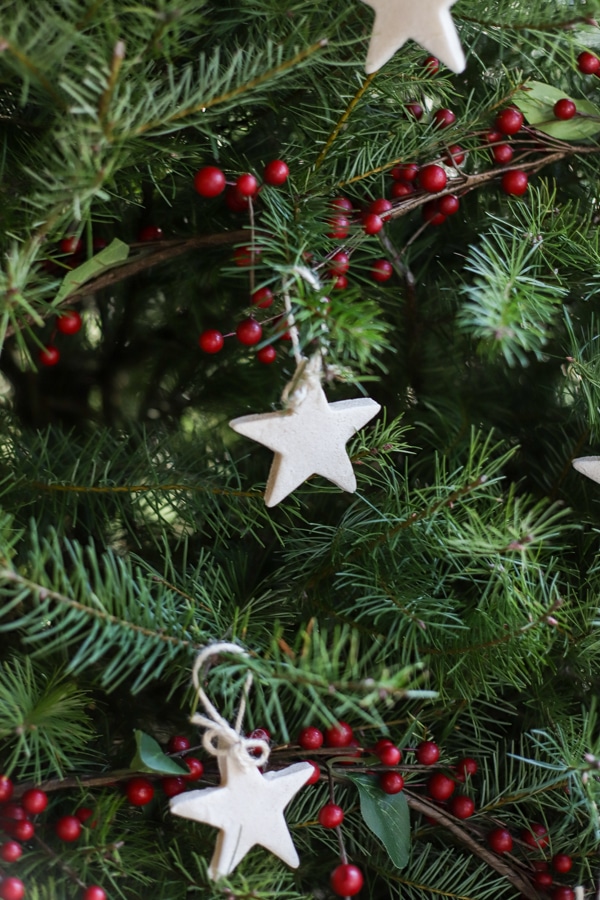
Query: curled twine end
x=219 y=738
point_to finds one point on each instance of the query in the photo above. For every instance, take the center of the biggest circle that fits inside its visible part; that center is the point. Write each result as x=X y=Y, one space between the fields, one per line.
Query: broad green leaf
x=388 y=817
x=150 y=758
x=536 y=101
x=115 y=253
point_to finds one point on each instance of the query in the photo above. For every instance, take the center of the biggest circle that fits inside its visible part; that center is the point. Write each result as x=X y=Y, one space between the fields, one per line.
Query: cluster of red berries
x=67 y=322
x=210 y=181
x=16 y=822
x=140 y=791
x=536 y=837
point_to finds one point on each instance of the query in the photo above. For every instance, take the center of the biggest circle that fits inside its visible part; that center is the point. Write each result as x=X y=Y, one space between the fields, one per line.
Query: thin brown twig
x=343 y=118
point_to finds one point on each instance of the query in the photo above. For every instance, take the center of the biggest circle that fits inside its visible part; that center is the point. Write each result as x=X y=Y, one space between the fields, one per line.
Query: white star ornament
x=588 y=465
x=308 y=439
x=247 y=808
x=428 y=22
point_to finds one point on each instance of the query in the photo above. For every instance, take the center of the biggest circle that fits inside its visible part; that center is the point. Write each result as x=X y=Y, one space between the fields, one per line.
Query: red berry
x=11 y=888
x=381 y=743
x=543 y=879
x=444 y=117
x=209 y=181
x=502 y=153
x=13 y=811
x=195 y=768
x=405 y=172
x=68 y=828
x=260 y=734
x=432 y=178
x=178 y=743
x=455 y=156
x=339 y=735
x=263 y=297
x=515 y=182
x=494 y=136
x=380 y=206
x=83 y=813
x=536 y=835
x=401 y=189
x=432 y=64
x=249 y=332
x=540 y=865
x=382 y=270
x=414 y=110
x=428 y=753
x=276 y=172
x=267 y=355
x=464 y=767
x=500 y=840
x=23 y=830
x=6 y=788
x=431 y=213
x=372 y=224
x=340 y=283
x=10 y=851
x=49 y=356
x=559 y=893
x=98 y=243
x=235 y=201
x=69 y=322
x=391 y=782
x=341 y=203
x=462 y=807
x=509 y=121
x=247 y=185
x=562 y=863
x=310 y=738
x=346 y=880
x=340 y=227
x=71 y=244
x=340 y=262
x=564 y=109
x=139 y=791
x=449 y=204
x=389 y=755
x=173 y=785
x=246 y=256
x=150 y=233
x=211 y=341
x=330 y=815
x=588 y=63
x=94 y=892
x=316 y=774
x=440 y=786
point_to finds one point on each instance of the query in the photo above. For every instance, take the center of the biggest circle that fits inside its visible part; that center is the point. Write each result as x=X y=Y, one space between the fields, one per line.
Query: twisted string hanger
x=219 y=738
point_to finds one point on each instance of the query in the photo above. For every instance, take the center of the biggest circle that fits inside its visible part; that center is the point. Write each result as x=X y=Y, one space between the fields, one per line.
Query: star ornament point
x=247 y=808
x=428 y=22
x=309 y=439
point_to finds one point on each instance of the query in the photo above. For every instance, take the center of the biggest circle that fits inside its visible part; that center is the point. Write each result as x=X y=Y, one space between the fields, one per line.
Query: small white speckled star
x=428 y=22
x=247 y=808
x=589 y=466
x=308 y=439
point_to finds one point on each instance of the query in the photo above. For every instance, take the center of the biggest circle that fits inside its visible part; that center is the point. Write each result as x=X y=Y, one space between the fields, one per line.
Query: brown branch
x=343 y=118
x=145 y=259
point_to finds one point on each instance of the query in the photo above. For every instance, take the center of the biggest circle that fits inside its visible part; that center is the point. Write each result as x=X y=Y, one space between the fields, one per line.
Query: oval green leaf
x=116 y=252
x=150 y=757
x=536 y=101
x=388 y=817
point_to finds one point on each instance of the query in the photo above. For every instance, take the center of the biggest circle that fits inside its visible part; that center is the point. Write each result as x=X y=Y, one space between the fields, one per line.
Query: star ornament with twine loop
x=247 y=807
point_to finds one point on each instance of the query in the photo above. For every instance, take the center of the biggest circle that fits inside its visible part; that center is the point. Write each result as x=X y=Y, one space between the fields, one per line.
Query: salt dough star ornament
x=589 y=466
x=247 y=808
x=308 y=438
x=428 y=22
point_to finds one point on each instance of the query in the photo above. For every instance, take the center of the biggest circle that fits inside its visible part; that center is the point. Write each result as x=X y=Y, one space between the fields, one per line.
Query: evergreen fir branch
x=34 y=704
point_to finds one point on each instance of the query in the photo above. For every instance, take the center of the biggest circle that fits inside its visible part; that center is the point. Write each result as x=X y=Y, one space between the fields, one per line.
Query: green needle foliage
x=454 y=596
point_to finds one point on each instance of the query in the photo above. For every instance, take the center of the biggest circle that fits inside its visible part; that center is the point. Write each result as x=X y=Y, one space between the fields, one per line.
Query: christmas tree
x=216 y=211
